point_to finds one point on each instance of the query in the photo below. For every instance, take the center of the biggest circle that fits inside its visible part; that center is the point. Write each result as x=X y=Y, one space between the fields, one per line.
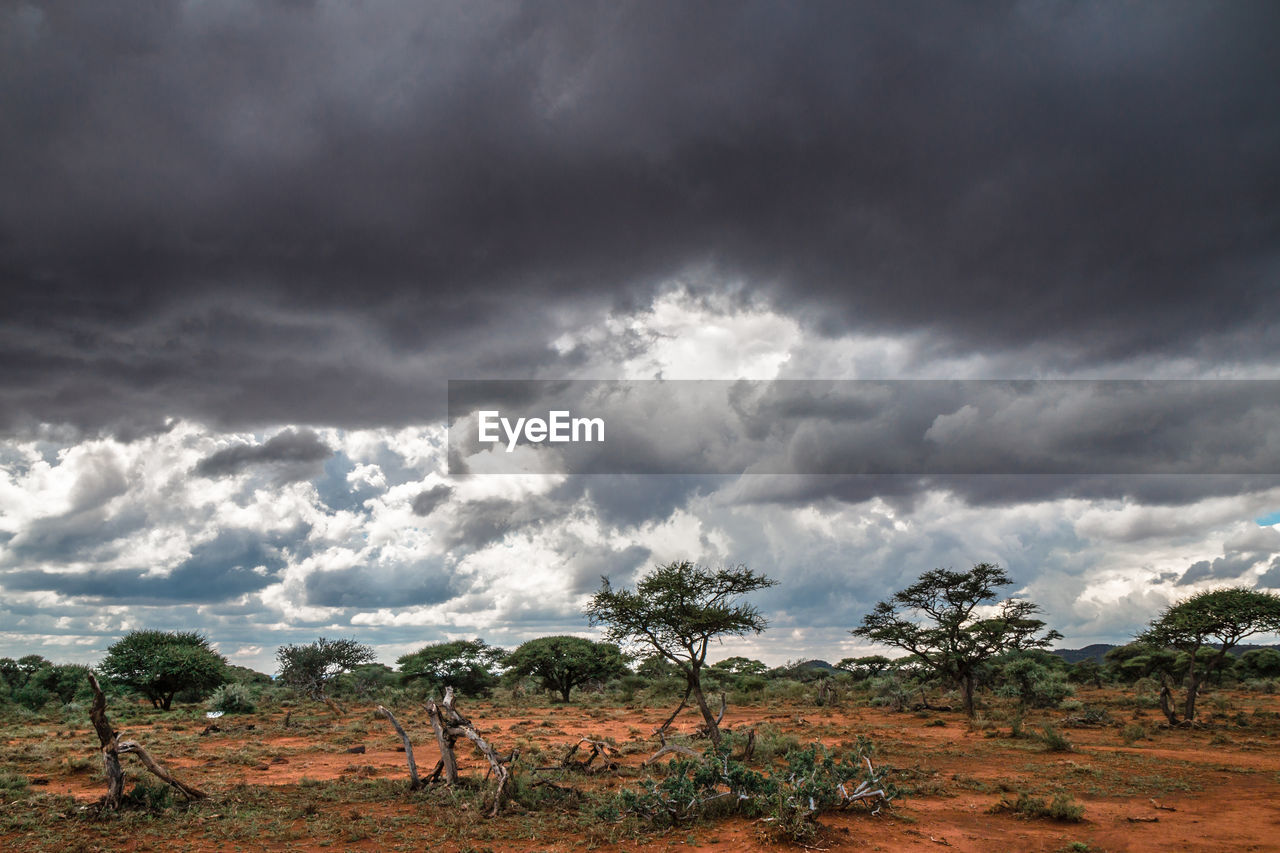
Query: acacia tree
x=468 y=666
x=310 y=667
x=1216 y=619
x=867 y=666
x=677 y=610
x=937 y=621
x=563 y=663
x=159 y=664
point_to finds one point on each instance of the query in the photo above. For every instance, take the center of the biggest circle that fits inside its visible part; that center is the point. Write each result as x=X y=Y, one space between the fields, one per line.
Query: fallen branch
x=157 y=769
x=112 y=748
x=670 y=748
x=599 y=749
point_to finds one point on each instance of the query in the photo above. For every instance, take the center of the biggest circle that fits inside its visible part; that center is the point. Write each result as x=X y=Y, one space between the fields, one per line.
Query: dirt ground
x=302 y=788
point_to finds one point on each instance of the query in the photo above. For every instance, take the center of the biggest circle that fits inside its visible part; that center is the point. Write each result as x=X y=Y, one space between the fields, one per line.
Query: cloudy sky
x=244 y=247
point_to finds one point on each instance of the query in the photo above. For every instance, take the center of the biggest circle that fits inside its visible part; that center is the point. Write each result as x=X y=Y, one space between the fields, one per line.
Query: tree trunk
x=966 y=692
x=1193 y=687
x=447 y=764
x=107 y=737
x=167 y=702
x=1166 y=706
x=713 y=726
x=564 y=693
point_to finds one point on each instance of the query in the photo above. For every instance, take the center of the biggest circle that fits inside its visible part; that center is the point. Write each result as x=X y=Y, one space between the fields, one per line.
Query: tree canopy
x=938 y=621
x=563 y=663
x=159 y=664
x=677 y=609
x=1220 y=618
x=470 y=667
x=310 y=667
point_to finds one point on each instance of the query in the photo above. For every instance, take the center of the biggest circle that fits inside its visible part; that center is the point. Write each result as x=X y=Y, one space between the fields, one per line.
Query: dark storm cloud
x=1240 y=554
x=475 y=524
x=216 y=212
x=1222 y=568
x=1270 y=579
x=426 y=502
x=292 y=454
x=234 y=562
x=381 y=586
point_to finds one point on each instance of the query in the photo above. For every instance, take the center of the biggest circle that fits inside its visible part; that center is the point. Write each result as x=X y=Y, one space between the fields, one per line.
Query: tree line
x=952 y=628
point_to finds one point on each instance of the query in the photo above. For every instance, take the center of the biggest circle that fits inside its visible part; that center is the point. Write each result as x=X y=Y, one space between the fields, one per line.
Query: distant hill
x=1097 y=650
x=817 y=664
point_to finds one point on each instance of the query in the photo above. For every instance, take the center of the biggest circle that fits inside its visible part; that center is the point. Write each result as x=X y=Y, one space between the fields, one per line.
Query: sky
x=244 y=247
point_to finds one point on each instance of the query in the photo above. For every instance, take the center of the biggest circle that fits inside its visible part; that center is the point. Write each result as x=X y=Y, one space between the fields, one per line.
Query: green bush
x=1133 y=733
x=1032 y=683
x=789 y=800
x=232 y=698
x=1061 y=808
x=1054 y=740
x=149 y=797
x=11 y=782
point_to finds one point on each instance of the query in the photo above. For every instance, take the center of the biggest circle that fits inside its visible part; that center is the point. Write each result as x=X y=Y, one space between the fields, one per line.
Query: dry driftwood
x=107 y=737
x=450 y=725
x=445 y=740
x=597 y=749
x=414 y=782
x=112 y=748
x=670 y=748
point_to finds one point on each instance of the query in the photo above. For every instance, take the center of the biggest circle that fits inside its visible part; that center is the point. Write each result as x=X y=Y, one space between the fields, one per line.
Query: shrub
x=149 y=797
x=1054 y=740
x=789 y=800
x=1033 y=684
x=11 y=782
x=1061 y=808
x=232 y=698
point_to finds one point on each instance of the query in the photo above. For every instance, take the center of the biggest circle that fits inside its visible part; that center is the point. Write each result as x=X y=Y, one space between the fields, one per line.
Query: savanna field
x=1102 y=771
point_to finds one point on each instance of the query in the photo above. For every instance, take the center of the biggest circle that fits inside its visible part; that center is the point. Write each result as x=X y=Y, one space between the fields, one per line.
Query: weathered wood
x=108 y=738
x=670 y=748
x=500 y=769
x=598 y=749
x=447 y=763
x=113 y=748
x=158 y=769
x=414 y=782
x=449 y=725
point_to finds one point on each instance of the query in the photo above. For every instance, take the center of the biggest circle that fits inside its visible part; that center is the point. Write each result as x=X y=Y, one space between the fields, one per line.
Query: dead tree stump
x=450 y=725
x=112 y=748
